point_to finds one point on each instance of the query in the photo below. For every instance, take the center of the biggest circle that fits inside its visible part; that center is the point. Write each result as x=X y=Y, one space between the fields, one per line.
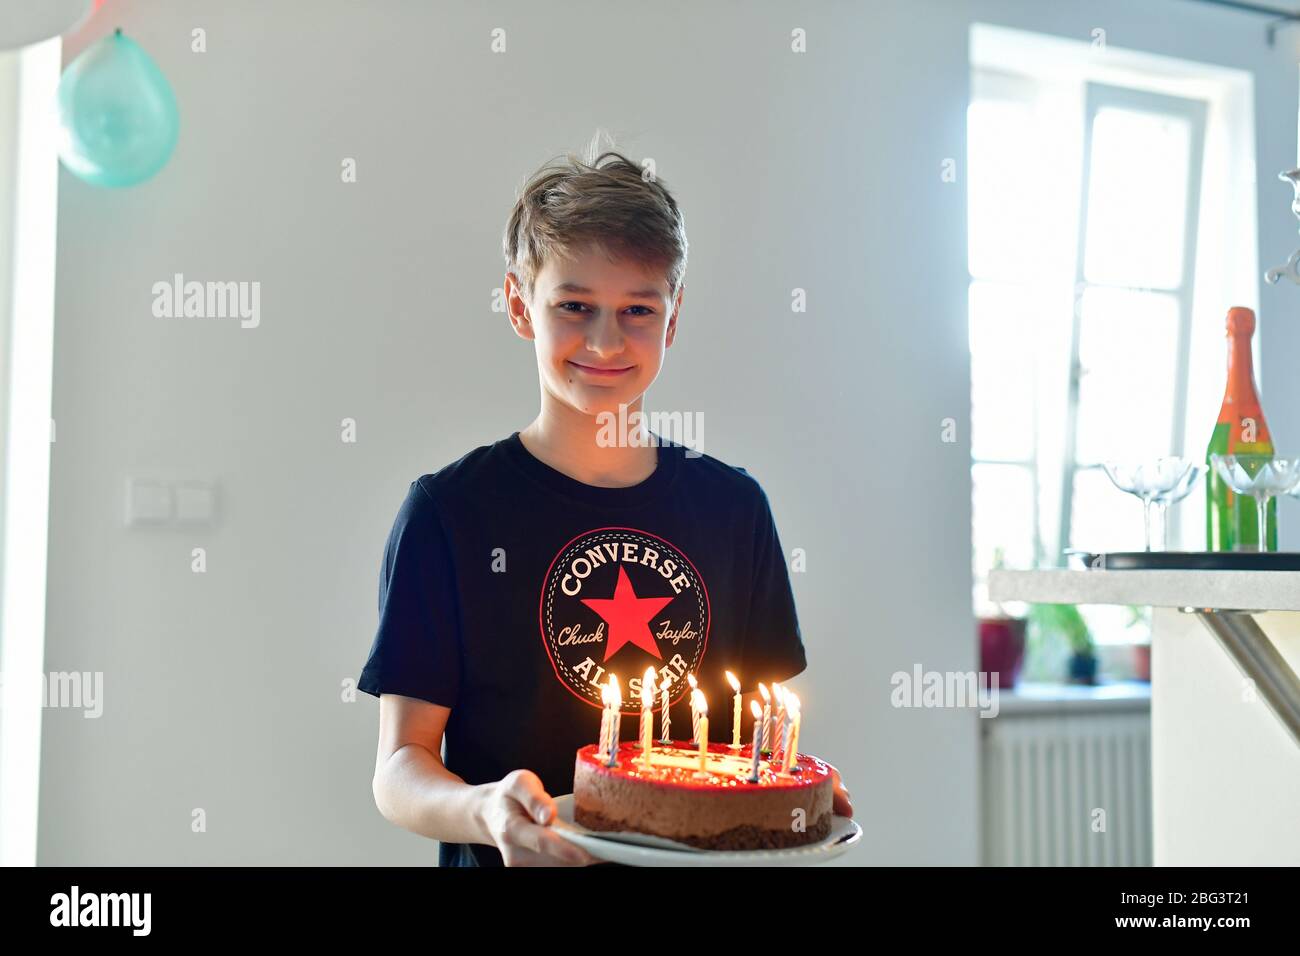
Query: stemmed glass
x=1175 y=495
x=1148 y=480
x=1260 y=477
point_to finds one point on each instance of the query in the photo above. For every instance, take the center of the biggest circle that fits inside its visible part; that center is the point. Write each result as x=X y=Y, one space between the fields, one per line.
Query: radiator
x=1045 y=776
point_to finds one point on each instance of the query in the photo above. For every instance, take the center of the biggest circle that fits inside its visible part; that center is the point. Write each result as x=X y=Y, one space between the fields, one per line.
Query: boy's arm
x=414 y=790
x=415 y=661
x=773 y=643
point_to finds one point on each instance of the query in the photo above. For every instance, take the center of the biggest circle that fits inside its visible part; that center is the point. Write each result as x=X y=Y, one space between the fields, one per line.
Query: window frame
x=1099 y=96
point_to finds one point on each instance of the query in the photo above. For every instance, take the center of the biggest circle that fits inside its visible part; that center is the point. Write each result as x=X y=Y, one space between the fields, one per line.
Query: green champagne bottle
x=1231 y=523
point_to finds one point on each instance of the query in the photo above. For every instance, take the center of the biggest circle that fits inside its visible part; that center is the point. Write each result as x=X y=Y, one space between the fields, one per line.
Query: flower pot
x=1083 y=668
x=1002 y=649
x=1142 y=662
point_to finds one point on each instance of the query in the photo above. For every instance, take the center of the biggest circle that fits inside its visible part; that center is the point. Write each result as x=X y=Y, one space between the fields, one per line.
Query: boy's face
x=588 y=315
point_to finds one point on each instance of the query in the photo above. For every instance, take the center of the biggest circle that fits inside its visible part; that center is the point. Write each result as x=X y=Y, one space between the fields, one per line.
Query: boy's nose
x=606 y=337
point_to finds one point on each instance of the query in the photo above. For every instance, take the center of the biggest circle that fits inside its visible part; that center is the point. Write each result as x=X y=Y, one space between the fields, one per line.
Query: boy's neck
x=571 y=444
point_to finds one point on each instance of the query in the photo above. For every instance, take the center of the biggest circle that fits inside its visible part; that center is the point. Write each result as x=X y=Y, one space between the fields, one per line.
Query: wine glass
x=1146 y=480
x=1173 y=496
x=1260 y=477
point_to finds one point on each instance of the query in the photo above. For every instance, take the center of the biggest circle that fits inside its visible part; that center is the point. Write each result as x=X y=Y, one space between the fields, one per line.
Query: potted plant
x=1002 y=648
x=1139 y=626
x=1054 y=622
x=1002 y=641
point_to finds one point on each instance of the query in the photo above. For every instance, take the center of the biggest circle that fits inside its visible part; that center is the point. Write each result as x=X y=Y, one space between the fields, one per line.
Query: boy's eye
x=580 y=307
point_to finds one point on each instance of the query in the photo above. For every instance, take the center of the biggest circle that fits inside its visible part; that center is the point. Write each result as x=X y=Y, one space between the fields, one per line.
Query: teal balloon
x=117 y=113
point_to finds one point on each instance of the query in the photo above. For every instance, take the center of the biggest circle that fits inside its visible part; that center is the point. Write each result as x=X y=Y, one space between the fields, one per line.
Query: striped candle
x=778 y=714
x=758 y=739
x=792 y=752
x=615 y=718
x=647 y=715
x=665 y=722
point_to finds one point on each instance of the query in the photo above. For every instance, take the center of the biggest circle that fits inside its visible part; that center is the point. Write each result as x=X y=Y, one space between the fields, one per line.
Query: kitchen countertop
x=1225 y=703
x=1235 y=590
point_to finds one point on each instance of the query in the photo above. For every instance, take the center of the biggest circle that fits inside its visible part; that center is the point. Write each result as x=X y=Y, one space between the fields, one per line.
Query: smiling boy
x=519 y=577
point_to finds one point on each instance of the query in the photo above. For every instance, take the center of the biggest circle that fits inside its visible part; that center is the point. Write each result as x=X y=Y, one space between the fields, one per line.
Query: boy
x=518 y=578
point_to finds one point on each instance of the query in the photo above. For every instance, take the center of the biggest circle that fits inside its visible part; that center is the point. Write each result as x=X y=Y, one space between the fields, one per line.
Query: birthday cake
x=721 y=808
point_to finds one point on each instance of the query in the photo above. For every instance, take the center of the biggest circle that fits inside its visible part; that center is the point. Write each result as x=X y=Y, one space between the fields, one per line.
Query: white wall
x=9 y=73
x=1223 y=766
x=819 y=171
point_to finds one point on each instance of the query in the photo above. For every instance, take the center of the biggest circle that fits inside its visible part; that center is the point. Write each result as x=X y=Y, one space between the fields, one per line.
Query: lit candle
x=735 y=711
x=767 y=715
x=695 y=713
x=792 y=751
x=647 y=714
x=704 y=735
x=778 y=754
x=758 y=739
x=603 y=740
x=615 y=718
x=665 y=724
x=778 y=716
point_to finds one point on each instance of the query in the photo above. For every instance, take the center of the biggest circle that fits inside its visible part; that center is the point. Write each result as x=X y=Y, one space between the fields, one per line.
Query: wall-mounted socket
x=150 y=502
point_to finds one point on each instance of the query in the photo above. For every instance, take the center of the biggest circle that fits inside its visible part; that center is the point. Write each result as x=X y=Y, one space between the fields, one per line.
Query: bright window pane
x=1002 y=513
x=1008 y=187
x=1137 y=199
x=1116 y=623
x=1002 y=371
x=1103 y=518
x=1127 y=344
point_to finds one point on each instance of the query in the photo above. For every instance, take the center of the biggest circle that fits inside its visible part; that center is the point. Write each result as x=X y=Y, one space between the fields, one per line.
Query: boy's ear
x=672 y=321
x=517 y=308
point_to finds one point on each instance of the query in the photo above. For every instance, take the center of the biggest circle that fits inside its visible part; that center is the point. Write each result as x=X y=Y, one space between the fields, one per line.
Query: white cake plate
x=642 y=849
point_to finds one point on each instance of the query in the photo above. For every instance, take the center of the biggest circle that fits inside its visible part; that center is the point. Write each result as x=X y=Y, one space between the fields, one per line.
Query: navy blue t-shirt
x=510 y=591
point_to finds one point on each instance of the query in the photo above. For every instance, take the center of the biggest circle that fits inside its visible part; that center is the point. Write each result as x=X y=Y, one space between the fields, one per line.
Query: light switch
x=148 y=502
x=195 y=502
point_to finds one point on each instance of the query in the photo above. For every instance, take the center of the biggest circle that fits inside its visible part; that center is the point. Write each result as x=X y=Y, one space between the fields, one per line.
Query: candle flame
x=792 y=703
x=735 y=684
x=668 y=682
x=763 y=690
x=648 y=687
x=755 y=710
x=698 y=701
x=778 y=692
x=615 y=692
x=691 y=678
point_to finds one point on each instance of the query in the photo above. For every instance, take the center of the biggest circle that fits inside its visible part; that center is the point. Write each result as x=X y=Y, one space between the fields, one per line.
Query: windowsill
x=1044 y=698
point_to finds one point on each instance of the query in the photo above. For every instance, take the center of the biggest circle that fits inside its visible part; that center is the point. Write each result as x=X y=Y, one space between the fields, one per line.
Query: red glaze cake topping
x=676 y=765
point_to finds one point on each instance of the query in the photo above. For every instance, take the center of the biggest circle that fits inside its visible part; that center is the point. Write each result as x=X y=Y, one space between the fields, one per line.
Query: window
x=28 y=209
x=1130 y=328
x=1104 y=251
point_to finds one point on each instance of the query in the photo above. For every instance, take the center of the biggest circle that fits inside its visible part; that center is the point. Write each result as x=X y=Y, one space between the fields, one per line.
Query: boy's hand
x=518 y=813
x=840 y=803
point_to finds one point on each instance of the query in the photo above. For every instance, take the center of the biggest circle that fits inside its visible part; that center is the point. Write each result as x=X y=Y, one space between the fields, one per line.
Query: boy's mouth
x=602 y=372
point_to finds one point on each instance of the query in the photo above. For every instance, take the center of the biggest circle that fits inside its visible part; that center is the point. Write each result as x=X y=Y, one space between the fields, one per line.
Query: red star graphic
x=628 y=617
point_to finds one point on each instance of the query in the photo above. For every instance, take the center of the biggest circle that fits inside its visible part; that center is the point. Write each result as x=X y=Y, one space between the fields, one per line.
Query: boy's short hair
x=569 y=205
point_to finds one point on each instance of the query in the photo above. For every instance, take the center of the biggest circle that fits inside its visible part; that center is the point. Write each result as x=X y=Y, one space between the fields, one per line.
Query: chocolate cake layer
x=737 y=838
x=722 y=809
